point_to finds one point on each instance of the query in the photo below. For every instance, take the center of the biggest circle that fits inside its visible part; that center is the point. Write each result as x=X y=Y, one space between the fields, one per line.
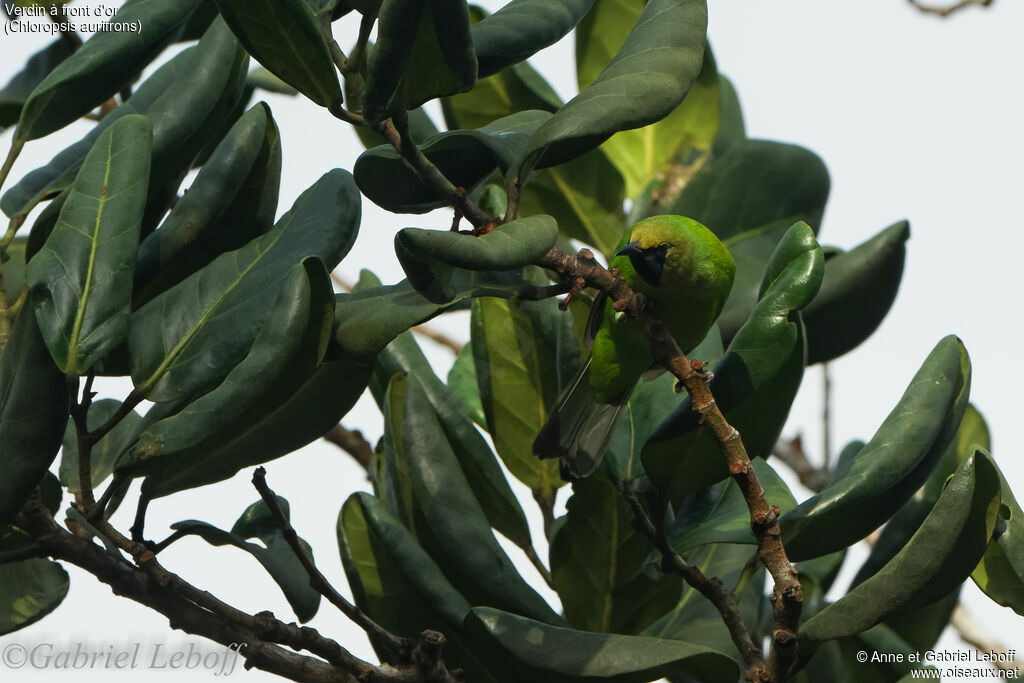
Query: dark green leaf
x=260 y=77
x=462 y=383
x=475 y=458
x=523 y=27
x=896 y=461
x=651 y=403
x=730 y=127
x=857 y=292
x=516 y=371
x=550 y=654
x=18 y=89
x=460 y=538
x=748 y=198
x=283 y=36
x=597 y=564
x=275 y=555
x=81 y=279
x=232 y=200
x=368 y=320
x=428 y=256
x=107 y=62
x=729 y=520
x=648 y=78
x=33 y=412
x=421 y=129
x=104 y=452
x=465 y=157
x=755 y=382
x=14 y=268
x=189 y=337
x=185 y=100
x=584 y=196
x=933 y=563
x=29 y=590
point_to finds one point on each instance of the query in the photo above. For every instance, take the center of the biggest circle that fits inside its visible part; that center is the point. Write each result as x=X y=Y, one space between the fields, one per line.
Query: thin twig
x=791 y=452
x=535 y=560
x=352 y=442
x=826 y=418
x=947 y=11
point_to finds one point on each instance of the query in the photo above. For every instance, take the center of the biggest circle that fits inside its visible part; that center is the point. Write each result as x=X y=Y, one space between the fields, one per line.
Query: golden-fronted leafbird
x=686 y=275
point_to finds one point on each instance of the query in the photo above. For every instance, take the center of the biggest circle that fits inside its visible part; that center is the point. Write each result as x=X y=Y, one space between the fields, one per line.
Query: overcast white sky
x=916 y=118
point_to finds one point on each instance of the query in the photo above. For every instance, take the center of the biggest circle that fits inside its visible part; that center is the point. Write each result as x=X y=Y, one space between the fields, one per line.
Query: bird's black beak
x=647 y=262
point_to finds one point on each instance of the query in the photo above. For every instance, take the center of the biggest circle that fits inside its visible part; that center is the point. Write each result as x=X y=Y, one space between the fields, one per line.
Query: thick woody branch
x=787 y=596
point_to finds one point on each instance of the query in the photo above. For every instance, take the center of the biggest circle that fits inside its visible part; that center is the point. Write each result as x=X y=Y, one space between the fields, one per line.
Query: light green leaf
x=29 y=590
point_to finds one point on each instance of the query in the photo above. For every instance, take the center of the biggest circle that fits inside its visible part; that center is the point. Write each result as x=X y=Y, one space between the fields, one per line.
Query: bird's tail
x=578 y=429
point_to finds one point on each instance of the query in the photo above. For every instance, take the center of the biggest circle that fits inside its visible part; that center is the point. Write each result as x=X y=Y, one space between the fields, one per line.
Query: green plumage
x=686 y=274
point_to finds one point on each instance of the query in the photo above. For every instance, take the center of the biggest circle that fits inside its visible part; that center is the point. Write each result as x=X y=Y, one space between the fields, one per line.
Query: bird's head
x=654 y=242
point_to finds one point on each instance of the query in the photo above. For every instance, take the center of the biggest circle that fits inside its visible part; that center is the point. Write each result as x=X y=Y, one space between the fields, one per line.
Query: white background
x=915 y=116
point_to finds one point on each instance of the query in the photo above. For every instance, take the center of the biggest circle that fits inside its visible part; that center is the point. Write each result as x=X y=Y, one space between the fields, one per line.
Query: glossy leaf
x=749 y=197
x=428 y=256
x=368 y=320
x=598 y=564
x=81 y=280
x=584 y=196
x=460 y=537
x=730 y=127
x=465 y=157
x=475 y=458
x=522 y=28
x=185 y=100
x=755 y=382
x=275 y=554
x=856 y=294
x=33 y=412
x=29 y=590
x=462 y=383
x=896 y=461
x=18 y=89
x=232 y=200
x=189 y=337
x=729 y=519
x=106 y=451
x=283 y=36
x=651 y=403
x=935 y=561
x=518 y=384
x=648 y=78
x=104 y=64
x=642 y=154
x=547 y=654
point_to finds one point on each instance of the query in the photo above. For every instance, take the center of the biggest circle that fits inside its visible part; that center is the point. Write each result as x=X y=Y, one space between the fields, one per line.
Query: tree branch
x=952 y=9
x=352 y=442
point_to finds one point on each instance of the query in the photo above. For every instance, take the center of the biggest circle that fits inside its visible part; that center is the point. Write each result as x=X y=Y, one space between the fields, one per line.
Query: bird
x=685 y=274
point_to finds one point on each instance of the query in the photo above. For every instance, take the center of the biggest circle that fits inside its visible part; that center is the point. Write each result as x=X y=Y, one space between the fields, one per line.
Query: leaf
x=103 y=65
x=106 y=451
x=934 y=562
x=462 y=383
x=642 y=154
x=256 y=414
x=729 y=519
x=755 y=382
x=33 y=412
x=399 y=586
x=18 y=89
x=260 y=77
x=650 y=404
x=584 y=196
x=896 y=461
x=283 y=36
x=550 y=653
x=185 y=100
x=81 y=279
x=518 y=383
x=186 y=339
x=460 y=538
x=597 y=564
x=232 y=201
x=428 y=256
x=275 y=555
x=856 y=294
x=648 y=78
x=29 y=590
x=749 y=197
x=730 y=127
x=465 y=157
x=522 y=28
x=368 y=320
x=423 y=50
x=14 y=268
x=475 y=458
